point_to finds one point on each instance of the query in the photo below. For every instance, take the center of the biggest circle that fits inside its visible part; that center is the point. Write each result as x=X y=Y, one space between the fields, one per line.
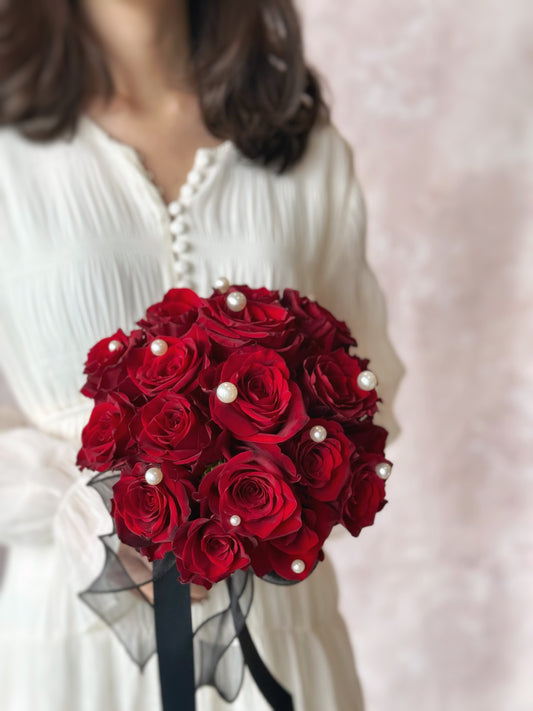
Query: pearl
x=318 y=433
x=227 y=392
x=383 y=470
x=158 y=347
x=367 y=380
x=297 y=566
x=153 y=476
x=114 y=346
x=222 y=284
x=236 y=301
x=235 y=520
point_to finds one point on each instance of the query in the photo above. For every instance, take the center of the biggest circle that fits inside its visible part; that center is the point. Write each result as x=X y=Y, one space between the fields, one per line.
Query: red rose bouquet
x=241 y=425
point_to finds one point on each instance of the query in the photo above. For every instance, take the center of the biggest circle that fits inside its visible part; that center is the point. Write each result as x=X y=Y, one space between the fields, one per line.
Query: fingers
x=198 y=593
x=140 y=569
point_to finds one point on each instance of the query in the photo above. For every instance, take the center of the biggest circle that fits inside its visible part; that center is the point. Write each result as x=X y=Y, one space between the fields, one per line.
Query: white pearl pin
x=227 y=392
x=235 y=520
x=114 y=346
x=153 y=476
x=383 y=470
x=222 y=284
x=318 y=433
x=158 y=347
x=236 y=301
x=297 y=566
x=367 y=380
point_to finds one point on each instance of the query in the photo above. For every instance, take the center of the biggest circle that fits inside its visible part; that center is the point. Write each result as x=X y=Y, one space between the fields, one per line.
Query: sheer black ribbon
x=214 y=654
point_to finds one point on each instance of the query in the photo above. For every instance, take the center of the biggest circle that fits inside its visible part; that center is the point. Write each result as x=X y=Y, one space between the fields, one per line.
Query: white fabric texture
x=87 y=244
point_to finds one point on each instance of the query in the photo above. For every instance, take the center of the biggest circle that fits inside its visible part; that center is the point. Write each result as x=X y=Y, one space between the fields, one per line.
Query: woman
x=147 y=145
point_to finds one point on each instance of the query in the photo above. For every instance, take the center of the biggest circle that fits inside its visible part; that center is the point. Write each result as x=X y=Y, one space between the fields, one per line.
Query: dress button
x=178 y=226
x=180 y=246
x=175 y=208
x=187 y=191
x=195 y=178
x=204 y=158
x=182 y=268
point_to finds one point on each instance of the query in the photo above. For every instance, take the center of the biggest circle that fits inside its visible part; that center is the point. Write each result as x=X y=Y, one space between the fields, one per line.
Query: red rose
x=317 y=322
x=365 y=495
x=254 y=486
x=170 y=427
x=305 y=544
x=101 y=356
x=106 y=369
x=176 y=370
x=269 y=406
x=368 y=437
x=206 y=553
x=323 y=466
x=106 y=438
x=330 y=381
x=263 y=321
x=147 y=516
x=174 y=315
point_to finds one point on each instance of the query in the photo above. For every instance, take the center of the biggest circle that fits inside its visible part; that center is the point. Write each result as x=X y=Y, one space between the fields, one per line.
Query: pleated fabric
x=87 y=244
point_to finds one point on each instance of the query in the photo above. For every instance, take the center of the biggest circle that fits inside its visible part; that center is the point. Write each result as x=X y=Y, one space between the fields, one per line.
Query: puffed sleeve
x=347 y=285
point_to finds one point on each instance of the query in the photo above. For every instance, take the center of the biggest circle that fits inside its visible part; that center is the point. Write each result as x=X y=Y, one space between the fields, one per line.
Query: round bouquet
x=241 y=425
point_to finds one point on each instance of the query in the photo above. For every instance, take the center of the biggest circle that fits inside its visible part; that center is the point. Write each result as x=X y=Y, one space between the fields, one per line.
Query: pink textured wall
x=433 y=97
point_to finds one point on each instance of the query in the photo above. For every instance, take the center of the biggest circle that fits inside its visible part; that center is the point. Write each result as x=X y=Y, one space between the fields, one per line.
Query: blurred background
x=436 y=98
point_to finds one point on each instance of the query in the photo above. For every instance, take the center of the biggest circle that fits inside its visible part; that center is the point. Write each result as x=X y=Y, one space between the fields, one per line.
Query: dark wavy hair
x=249 y=71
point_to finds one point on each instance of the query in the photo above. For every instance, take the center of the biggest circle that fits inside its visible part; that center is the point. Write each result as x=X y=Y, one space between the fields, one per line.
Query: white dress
x=86 y=244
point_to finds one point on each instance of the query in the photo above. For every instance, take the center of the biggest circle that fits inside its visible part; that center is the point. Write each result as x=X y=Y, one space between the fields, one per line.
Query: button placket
x=180 y=220
x=174 y=216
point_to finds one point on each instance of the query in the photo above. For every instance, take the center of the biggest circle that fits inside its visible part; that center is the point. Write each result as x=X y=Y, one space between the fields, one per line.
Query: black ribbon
x=274 y=693
x=173 y=629
x=174 y=634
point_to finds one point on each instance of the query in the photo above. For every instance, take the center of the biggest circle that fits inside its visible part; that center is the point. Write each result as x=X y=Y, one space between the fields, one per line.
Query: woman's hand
x=139 y=569
x=198 y=593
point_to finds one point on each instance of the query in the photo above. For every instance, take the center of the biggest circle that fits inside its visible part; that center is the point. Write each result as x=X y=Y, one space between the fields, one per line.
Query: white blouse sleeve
x=349 y=288
x=45 y=497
